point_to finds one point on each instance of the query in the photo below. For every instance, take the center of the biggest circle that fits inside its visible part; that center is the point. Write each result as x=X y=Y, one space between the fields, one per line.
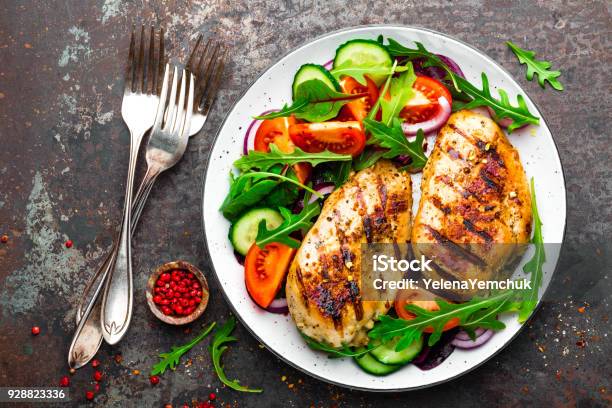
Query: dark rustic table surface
x=63 y=160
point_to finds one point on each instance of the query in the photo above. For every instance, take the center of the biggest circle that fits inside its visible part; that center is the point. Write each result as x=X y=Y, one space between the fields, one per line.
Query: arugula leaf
x=502 y=107
x=261 y=174
x=344 y=351
x=218 y=347
x=292 y=222
x=367 y=158
x=172 y=359
x=534 y=265
x=374 y=110
x=410 y=330
x=285 y=193
x=358 y=72
x=536 y=67
x=400 y=91
x=393 y=138
x=343 y=172
x=314 y=101
x=431 y=60
x=265 y=160
x=287 y=110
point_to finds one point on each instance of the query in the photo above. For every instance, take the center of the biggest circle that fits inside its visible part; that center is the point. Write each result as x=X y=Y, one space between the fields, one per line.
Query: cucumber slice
x=243 y=232
x=313 y=71
x=370 y=365
x=386 y=353
x=363 y=53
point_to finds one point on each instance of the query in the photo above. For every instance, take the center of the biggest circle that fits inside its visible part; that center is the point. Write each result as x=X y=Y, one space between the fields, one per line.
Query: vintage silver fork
x=140 y=101
x=207 y=64
x=88 y=335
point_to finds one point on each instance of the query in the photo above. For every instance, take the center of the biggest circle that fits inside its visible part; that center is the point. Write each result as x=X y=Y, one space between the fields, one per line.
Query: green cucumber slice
x=386 y=354
x=308 y=72
x=243 y=232
x=364 y=53
x=370 y=365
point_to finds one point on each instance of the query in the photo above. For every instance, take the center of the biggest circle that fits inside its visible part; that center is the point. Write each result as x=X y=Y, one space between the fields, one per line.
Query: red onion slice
x=432 y=124
x=247 y=135
x=451 y=64
x=463 y=335
x=437 y=72
x=278 y=306
x=328 y=64
x=323 y=189
x=469 y=344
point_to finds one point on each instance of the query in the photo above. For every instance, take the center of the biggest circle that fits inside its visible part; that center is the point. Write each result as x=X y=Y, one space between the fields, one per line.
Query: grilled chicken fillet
x=323 y=281
x=475 y=206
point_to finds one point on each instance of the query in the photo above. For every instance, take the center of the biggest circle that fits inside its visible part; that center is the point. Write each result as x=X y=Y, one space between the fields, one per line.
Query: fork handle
x=118 y=298
x=88 y=336
x=138 y=204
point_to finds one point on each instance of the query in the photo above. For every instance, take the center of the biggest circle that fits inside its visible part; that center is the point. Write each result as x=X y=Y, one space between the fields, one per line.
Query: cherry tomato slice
x=265 y=270
x=359 y=108
x=424 y=105
x=421 y=299
x=338 y=137
x=274 y=131
x=277 y=131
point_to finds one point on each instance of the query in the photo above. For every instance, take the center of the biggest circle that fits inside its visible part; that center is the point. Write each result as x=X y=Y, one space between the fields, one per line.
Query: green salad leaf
x=534 y=266
x=252 y=187
x=502 y=107
x=410 y=330
x=245 y=192
x=536 y=67
x=218 y=346
x=367 y=158
x=358 y=72
x=171 y=360
x=314 y=101
x=343 y=171
x=374 y=110
x=292 y=222
x=393 y=139
x=265 y=160
x=344 y=351
x=400 y=92
x=430 y=59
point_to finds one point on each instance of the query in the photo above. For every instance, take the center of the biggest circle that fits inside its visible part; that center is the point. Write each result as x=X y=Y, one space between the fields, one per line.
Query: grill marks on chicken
x=323 y=281
x=474 y=194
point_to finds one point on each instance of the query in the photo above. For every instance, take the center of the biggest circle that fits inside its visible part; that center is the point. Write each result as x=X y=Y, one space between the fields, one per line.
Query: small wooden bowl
x=177 y=320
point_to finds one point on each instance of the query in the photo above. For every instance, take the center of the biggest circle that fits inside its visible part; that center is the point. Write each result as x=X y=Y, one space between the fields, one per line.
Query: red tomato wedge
x=265 y=270
x=338 y=137
x=358 y=109
x=423 y=300
x=424 y=105
x=277 y=131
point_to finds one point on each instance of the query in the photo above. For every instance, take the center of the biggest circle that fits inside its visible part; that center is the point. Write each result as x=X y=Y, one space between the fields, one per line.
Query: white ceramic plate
x=273 y=89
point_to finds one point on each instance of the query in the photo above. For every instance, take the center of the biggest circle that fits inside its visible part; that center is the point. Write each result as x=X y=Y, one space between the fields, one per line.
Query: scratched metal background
x=63 y=159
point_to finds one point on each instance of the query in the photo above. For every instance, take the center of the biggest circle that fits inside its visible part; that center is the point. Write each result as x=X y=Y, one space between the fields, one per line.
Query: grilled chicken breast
x=323 y=284
x=475 y=206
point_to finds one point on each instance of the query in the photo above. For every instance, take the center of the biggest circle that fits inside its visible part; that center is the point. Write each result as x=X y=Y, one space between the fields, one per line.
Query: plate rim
x=205 y=174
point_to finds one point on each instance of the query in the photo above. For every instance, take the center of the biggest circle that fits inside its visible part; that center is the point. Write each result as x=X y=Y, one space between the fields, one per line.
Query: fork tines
x=145 y=67
x=206 y=64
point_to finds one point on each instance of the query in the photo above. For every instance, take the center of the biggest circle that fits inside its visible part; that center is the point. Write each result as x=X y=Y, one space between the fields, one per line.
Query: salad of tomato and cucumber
x=375 y=100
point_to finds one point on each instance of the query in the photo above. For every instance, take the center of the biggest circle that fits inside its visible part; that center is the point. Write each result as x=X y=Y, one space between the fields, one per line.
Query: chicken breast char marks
x=323 y=290
x=475 y=206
